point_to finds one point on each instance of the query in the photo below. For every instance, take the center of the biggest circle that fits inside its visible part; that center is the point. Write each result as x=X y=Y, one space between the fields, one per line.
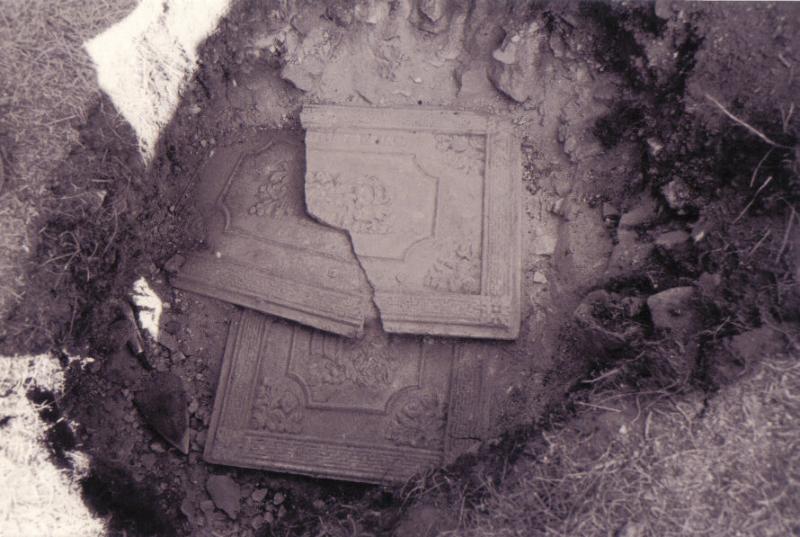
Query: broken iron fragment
x=377 y=410
x=263 y=251
x=429 y=199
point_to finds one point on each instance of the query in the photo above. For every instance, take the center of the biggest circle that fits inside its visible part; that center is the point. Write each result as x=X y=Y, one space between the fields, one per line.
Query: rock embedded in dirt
x=187 y=508
x=174 y=263
x=755 y=344
x=609 y=212
x=673 y=310
x=629 y=255
x=583 y=246
x=672 y=240
x=679 y=197
x=164 y=406
x=432 y=16
x=516 y=62
x=588 y=316
x=370 y=11
x=306 y=62
x=259 y=495
x=225 y=493
x=642 y=213
x=709 y=283
x=340 y=12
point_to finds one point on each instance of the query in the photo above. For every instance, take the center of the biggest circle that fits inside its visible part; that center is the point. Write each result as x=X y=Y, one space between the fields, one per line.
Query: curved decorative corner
x=418 y=420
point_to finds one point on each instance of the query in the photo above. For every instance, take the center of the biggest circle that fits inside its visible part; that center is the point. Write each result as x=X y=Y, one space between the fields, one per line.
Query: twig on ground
x=759 y=243
x=599 y=407
x=758 y=167
x=746 y=125
x=752 y=201
x=792 y=215
x=787 y=117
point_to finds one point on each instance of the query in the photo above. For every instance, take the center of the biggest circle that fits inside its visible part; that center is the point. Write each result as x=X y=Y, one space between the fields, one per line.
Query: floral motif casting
x=359 y=204
x=273 y=193
x=418 y=422
x=457 y=272
x=277 y=409
x=353 y=362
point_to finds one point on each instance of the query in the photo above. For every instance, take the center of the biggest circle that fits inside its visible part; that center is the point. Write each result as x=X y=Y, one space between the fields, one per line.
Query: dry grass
x=47 y=82
x=674 y=467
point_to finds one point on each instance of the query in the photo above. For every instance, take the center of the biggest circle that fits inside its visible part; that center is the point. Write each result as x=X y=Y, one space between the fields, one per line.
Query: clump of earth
x=645 y=247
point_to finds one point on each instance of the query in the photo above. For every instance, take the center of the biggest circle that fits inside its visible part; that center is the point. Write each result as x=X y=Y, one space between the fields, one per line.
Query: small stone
x=642 y=213
x=673 y=310
x=587 y=316
x=629 y=254
x=168 y=340
x=754 y=344
x=156 y=447
x=281 y=512
x=207 y=506
x=279 y=498
x=709 y=283
x=341 y=13
x=631 y=529
x=632 y=305
x=148 y=460
x=306 y=63
x=431 y=15
x=269 y=518
x=539 y=277
x=225 y=494
x=319 y=505
x=672 y=240
x=516 y=64
x=174 y=263
x=187 y=508
x=172 y=326
x=256 y=522
x=679 y=197
x=200 y=439
x=258 y=495
x=163 y=406
x=558 y=207
x=369 y=11
x=654 y=146
x=609 y=211
x=433 y=9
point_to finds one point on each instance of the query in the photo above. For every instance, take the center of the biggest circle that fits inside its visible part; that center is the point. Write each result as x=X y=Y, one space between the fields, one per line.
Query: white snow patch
x=149 y=306
x=144 y=61
x=36 y=498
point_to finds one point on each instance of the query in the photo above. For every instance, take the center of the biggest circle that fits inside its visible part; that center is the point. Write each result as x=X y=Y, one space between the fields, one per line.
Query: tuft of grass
x=47 y=83
x=663 y=467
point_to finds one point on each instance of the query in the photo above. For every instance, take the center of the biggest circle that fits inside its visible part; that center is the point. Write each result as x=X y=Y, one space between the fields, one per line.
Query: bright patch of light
x=36 y=497
x=144 y=61
x=149 y=306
